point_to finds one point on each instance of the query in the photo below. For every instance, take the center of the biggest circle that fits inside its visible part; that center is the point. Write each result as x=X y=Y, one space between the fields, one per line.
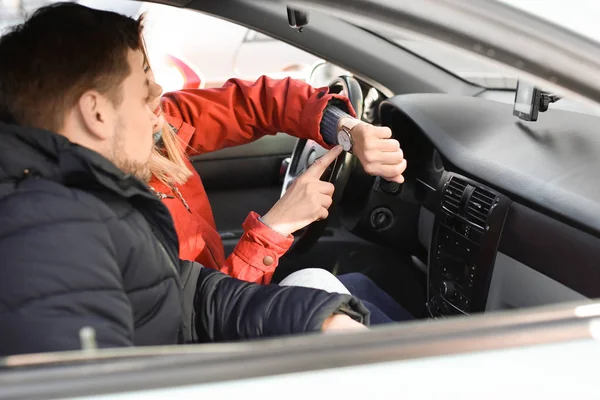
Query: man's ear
x=97 y=114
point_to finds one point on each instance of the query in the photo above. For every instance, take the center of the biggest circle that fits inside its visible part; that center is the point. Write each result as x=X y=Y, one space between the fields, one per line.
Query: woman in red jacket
x=205 y=120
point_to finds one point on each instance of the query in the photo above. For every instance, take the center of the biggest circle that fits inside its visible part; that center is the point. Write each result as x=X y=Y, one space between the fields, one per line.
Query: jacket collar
x=27 y=151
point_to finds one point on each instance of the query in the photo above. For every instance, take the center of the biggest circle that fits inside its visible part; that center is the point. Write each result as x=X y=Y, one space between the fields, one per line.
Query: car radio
x=467 y=230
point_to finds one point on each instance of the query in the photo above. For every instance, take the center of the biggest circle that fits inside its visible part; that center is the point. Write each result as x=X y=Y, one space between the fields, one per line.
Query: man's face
x=132 y=144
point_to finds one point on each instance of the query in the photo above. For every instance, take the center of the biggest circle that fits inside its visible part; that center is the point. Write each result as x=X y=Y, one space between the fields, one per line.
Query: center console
x=466 y=233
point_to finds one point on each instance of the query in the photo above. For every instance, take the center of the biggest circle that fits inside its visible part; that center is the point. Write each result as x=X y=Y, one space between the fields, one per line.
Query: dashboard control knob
x=382 y=218
x=447 y=289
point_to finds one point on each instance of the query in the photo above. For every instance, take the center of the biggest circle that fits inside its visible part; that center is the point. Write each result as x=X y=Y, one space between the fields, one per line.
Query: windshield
x=470 y=68
x=579 y=16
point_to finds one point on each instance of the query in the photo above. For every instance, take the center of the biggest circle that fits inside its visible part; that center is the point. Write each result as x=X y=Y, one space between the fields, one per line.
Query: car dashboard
x=509 y=211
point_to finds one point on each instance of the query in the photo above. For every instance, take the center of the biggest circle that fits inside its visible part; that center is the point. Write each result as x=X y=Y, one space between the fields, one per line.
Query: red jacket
x=238 y=113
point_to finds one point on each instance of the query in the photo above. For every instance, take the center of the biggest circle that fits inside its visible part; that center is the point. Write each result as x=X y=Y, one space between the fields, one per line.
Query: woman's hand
x=306 y=200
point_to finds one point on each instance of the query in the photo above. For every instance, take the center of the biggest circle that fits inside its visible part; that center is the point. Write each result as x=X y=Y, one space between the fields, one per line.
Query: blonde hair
x=167 y=162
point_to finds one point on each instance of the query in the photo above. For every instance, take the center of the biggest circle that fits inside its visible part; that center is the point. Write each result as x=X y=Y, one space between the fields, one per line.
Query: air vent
x=453 y=195
x=479 y=206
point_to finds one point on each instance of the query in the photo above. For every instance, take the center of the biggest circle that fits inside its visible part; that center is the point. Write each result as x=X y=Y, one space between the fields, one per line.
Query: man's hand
x=306 y=200
x=340 y=323
x=379 y=154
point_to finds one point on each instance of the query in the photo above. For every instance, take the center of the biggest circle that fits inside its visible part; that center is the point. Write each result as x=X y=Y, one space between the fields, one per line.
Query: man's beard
x=122 y=161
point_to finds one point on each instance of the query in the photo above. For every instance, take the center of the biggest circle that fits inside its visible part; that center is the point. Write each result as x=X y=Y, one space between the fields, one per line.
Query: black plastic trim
x=240 y=173
x=479 y=138
x=483 y=250
x=557 y=250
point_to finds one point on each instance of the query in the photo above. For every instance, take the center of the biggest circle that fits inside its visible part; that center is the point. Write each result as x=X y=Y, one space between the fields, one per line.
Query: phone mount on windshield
x=530 y=101
x=297 y=19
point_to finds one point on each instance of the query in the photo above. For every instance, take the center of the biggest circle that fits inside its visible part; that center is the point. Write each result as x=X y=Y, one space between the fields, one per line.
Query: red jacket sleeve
x=257 y=254
x=241 y=112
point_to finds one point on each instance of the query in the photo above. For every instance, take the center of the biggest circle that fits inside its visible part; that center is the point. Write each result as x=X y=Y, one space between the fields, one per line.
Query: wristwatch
x=344 y=138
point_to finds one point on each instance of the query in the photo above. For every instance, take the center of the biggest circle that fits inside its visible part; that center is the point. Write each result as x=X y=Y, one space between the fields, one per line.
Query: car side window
x=260 y=54
x=216 y=50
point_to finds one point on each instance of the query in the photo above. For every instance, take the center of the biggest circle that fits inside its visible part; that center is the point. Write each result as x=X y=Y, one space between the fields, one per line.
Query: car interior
x=496 y=213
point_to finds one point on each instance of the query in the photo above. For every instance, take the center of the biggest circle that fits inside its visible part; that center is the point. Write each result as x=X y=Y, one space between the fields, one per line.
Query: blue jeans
x=384 y=309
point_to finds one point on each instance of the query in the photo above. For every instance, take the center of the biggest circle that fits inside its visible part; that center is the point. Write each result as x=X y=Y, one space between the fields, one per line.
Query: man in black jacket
x=83 y=243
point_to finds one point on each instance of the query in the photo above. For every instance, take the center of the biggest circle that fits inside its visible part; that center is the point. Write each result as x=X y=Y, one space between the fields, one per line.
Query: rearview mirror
x=296 y=18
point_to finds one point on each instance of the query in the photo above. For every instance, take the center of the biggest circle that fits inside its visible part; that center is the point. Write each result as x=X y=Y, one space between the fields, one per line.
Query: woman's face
x=155 y=93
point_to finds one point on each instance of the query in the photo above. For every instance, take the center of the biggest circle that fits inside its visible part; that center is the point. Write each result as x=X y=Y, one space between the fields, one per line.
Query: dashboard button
x=448 y=289
x=382 y=218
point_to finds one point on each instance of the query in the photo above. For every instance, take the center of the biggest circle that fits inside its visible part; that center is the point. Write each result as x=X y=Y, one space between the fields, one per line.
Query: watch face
x=344 y=139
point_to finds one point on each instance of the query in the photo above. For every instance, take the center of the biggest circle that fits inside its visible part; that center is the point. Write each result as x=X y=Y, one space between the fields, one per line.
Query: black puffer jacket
x=83 y=244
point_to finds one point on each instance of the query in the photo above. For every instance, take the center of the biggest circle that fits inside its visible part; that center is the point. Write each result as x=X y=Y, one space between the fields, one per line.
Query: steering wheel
x=307 y=151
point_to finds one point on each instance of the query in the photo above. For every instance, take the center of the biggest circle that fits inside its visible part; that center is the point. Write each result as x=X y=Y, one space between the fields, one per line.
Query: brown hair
x=59 y=53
